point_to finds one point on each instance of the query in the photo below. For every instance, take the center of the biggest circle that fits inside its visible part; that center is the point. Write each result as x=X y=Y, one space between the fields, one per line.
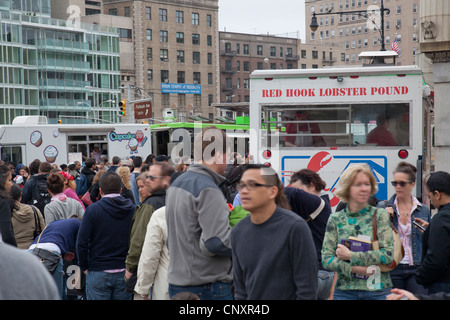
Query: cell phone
x=418 y=225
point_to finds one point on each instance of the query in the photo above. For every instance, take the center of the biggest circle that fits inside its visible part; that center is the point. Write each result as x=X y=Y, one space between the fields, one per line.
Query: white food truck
x=333 y=118
x=29 y=138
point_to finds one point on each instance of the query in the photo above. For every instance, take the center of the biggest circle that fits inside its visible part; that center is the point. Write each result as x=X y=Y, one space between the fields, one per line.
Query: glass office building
x=56 y=68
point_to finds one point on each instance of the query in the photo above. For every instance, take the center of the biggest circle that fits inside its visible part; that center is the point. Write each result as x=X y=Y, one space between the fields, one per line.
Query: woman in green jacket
x=358 y=277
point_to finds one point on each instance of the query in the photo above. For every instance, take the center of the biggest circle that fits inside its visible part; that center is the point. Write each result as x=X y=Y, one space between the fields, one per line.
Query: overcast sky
x=284 y=18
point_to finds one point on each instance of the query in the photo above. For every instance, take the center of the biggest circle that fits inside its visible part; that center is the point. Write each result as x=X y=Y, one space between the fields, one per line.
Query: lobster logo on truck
x=330 y=167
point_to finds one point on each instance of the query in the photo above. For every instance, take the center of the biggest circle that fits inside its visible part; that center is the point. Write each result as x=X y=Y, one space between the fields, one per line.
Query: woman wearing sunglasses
x=404 y=209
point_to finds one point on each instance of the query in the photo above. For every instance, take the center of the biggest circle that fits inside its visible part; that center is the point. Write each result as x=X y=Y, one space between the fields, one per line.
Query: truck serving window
x=344 y=125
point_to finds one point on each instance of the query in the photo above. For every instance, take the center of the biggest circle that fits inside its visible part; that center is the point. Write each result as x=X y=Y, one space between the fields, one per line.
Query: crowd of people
x=216 y=229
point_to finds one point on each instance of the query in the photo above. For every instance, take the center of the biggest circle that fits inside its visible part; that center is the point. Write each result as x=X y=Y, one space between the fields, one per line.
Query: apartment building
x=52 y=69
x=354 y=33
x=241 y=54
x=175 y=53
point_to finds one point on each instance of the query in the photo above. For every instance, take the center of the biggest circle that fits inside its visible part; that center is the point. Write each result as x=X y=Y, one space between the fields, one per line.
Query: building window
x=208 y=20
x=150 y=75
x=149 y=34
x=165 y=99
x=210 y=78
x=163 y=36
x=162 y=14
x=209 y=40
x=179 y=17
x=210 y=58
x=112 y=12
x=195 y=39
x=315 y=55
x=180 y=56
x=195 y=19
x=246 y=66
x=196 y=57
x=196 y=76
x=303 y=54
x=273 y=51
x=180 y=37
x=164 y=54
x=180 y=77
x=148 y=13
x=164 y=75
x=126 y=11
x=149 y=54
x=259 y=50
x=246 y=49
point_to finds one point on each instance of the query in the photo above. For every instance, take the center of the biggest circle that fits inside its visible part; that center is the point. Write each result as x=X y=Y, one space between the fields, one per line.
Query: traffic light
x=123 y=107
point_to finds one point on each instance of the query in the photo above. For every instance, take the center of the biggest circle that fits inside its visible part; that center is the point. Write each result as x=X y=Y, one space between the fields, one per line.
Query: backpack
x=41 y=196
x=81 y=181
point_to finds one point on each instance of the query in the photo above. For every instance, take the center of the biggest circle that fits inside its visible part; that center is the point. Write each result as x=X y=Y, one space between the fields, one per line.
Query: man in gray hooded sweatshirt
x=197 y=222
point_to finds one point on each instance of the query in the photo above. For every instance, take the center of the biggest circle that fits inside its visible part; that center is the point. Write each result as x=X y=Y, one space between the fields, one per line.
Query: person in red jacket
x=381 y=136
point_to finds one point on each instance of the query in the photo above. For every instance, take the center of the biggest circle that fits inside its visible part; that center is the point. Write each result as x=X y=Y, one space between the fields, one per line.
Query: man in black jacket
x=88 y=170
x=434 y=271
x=35 y=191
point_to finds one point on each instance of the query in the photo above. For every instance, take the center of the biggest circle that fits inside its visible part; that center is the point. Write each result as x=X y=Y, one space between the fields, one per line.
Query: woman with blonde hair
x=358 y=278
x=124 y=173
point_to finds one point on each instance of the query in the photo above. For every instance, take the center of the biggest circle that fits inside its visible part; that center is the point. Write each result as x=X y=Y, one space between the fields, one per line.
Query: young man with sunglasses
x=157 y=182
x=274 y=255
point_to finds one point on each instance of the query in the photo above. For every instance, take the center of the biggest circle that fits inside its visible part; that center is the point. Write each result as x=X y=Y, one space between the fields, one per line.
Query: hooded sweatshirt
x=62 y=207
x=24 y=224
x=102 y=242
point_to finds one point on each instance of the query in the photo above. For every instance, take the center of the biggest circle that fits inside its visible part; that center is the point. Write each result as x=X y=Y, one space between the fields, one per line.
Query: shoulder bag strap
x=37 y=221
x=319 y=209
x=374 y=226
x=41 y=235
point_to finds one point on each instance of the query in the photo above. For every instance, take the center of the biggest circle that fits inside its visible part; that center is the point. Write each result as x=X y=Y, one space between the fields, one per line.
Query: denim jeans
x=325 y=282
x=208 y=291
x=58 y=276
x=360 y=294
x=102 y=285
x=403 y=277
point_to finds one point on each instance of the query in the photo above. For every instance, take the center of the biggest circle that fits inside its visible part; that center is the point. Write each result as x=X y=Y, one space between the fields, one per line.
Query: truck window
x=13 y=153
x=344 y=125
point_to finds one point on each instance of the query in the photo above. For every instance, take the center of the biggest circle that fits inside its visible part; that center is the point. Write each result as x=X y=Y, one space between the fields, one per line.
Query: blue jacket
x=422 y=212
x=61 y=232
x=104 y=234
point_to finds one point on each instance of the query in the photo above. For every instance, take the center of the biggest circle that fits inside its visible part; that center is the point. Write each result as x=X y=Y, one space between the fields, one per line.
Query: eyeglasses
x=400 y=183
x=152 y=178
x=250 y=185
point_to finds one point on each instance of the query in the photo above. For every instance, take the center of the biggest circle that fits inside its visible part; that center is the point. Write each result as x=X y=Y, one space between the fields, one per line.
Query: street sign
x=143 y=109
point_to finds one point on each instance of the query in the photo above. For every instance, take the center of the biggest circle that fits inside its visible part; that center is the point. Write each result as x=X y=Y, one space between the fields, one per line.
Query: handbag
x=86 y=198
x=399 y=252
x=49 y=259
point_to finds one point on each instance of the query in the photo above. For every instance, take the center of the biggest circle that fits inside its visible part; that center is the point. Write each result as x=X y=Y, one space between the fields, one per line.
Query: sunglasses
x=250 y=185
x=400 y=183
x=152 y=178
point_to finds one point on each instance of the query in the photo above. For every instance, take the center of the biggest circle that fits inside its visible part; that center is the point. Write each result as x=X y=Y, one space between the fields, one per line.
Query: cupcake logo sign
x=50 y=152
x=36 y=138
x=135 y=140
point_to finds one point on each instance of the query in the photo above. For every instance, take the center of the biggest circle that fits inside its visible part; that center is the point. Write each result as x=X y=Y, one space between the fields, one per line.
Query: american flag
x=394 y=46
